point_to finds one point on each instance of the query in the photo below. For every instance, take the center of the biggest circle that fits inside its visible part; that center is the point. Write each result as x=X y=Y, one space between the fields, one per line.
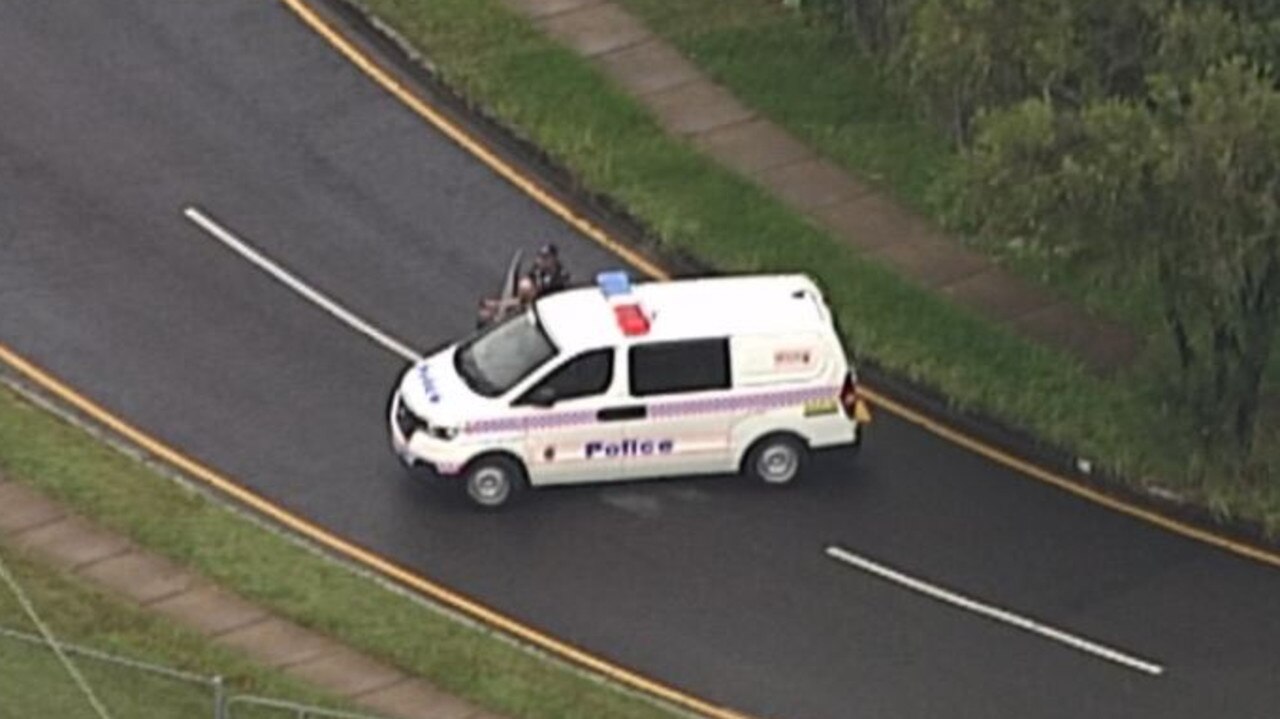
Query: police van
x=619 y=381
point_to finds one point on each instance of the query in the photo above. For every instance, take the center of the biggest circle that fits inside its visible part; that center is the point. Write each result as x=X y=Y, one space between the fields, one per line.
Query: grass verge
x=121 y=493
x=33 y=683
x=811 y=81
x=551 y=97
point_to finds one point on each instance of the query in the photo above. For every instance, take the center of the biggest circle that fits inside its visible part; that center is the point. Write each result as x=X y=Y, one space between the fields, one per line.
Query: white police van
x=617 y=381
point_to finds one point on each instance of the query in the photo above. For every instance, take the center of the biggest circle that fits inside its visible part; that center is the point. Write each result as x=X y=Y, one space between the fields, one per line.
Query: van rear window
x=676 y=367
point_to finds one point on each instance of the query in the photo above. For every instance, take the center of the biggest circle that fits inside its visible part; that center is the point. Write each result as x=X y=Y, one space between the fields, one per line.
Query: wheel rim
x=489 y=486
x=778 y=463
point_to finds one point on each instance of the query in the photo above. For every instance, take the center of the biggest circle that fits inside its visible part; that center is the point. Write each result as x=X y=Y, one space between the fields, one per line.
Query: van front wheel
x=493 y=481
x=776 y=459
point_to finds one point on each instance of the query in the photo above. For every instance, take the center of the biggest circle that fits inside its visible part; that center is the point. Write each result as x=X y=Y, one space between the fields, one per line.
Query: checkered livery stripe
x=679 y=408
x=766 y=401
x=531 y=422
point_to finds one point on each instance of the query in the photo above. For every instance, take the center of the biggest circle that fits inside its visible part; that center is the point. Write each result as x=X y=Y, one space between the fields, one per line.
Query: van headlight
x=406 y=420
x=445 y=433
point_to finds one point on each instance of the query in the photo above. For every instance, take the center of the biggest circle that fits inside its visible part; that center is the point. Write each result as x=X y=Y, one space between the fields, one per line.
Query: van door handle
x=611 y=414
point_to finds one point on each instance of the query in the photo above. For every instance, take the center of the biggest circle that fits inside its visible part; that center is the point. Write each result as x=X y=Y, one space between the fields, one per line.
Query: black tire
x=493 y=482
x=777 y=460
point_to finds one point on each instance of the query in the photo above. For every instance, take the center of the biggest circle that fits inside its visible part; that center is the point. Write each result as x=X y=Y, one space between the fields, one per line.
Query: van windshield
x=494 y=361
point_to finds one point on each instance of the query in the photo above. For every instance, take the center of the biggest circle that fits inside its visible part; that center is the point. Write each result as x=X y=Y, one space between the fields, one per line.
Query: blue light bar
x=613 y=283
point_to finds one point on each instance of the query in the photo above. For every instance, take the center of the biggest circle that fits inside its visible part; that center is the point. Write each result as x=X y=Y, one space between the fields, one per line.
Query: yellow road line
x=470 y=144
x=560 y=209
x=1072 y=486
x=335 y=543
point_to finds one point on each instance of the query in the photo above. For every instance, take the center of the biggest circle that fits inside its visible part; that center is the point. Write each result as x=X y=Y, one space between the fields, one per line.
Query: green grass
x=122 y=493
x=812 y=82
x=556 y=99
x=34 y=683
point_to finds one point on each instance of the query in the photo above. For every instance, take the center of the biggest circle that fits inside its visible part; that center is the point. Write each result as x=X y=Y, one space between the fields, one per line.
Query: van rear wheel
x=493 y=482
x=776 y=459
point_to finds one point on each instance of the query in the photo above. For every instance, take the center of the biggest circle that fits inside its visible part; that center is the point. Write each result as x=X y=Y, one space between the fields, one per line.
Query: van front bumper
x=416 y=448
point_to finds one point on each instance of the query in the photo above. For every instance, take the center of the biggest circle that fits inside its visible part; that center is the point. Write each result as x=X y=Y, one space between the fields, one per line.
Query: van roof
x=583 y=317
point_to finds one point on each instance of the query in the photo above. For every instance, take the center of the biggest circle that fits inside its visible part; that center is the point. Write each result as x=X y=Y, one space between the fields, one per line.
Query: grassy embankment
x=33 y=683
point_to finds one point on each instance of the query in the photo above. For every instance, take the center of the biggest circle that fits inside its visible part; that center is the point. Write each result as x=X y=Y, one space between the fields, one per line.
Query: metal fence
x=128 y=688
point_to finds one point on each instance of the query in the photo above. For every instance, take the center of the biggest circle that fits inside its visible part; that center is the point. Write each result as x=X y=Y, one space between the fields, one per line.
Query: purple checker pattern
x=762 y=401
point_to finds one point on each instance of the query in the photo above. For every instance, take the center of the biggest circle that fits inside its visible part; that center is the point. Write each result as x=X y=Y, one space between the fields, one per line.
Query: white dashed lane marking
x=288 y=279
x=1000 y=615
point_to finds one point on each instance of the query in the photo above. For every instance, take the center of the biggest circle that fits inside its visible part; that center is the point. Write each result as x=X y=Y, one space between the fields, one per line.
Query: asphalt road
x=115 y=116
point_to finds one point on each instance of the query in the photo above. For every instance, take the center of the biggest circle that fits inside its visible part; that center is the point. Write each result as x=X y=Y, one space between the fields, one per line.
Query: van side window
x=672 y=367
x=583 y=376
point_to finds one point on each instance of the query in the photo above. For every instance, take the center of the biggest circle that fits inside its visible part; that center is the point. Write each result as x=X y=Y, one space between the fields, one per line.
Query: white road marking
x=291 y=281
x=994 y=613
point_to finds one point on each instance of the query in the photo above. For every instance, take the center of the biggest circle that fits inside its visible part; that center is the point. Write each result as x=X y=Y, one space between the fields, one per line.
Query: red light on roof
x=631 y=320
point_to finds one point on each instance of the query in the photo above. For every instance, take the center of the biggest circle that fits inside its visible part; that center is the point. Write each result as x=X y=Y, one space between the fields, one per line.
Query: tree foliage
x=1183 y=180
x=963 y=55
